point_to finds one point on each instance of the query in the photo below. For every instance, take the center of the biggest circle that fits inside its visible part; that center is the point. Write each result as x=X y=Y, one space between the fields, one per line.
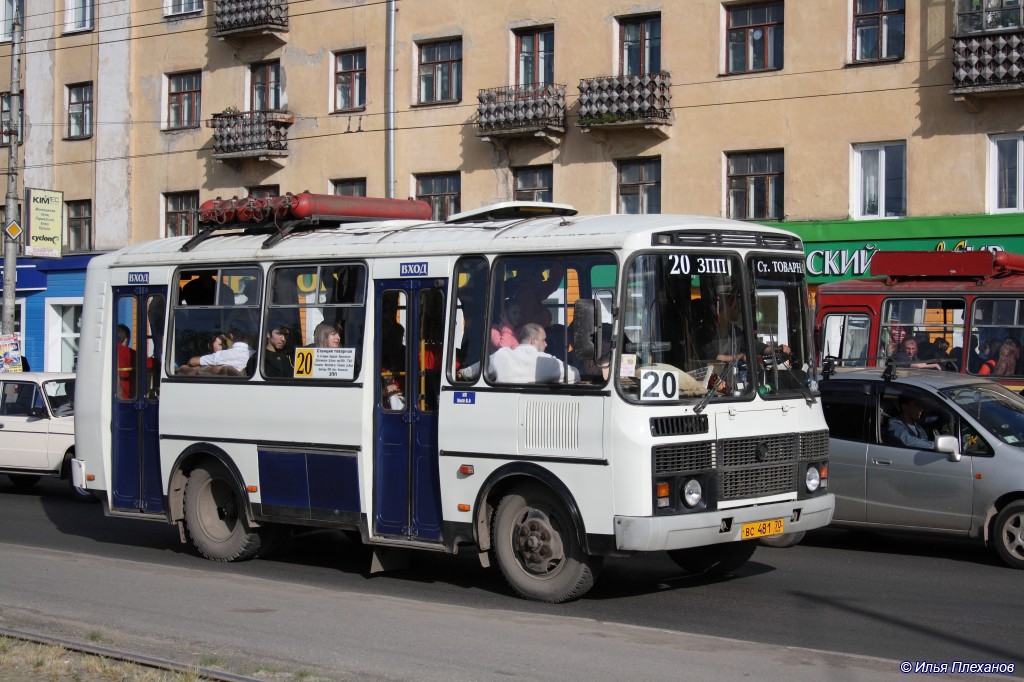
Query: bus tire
x=537 y=547
x=714 y=559
x=1009 y=534
x=215 y=517
x=783 y=539
x=23 y=481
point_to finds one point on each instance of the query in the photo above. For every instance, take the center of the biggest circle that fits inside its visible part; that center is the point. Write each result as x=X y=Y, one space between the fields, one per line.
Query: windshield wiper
x=714 y=387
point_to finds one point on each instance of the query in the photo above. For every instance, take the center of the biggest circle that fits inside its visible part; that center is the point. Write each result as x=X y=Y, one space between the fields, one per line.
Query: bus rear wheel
x=215 y=516
x=538 y=549
x=714 y=559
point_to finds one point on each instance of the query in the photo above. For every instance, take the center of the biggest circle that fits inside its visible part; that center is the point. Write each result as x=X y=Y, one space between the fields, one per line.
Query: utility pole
x=11 y=213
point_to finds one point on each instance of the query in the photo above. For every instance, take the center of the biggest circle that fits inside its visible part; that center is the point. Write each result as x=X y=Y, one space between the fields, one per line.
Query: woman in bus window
x=505 y=331
x=326 y=335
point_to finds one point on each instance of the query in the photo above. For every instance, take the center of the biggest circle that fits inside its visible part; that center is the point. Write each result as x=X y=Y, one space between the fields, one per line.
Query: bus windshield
x=782 y=331
x=685 y=312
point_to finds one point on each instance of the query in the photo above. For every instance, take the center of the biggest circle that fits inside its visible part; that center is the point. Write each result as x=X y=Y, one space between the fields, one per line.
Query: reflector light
x=252 y=488
x=90 y=477
x=823 y=471
x=466 y=469
x=463 y=507
x=662 y=489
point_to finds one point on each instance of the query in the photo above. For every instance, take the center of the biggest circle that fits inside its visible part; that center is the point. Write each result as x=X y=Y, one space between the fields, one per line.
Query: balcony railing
x=617 y=100
x=522 y=110
x=990 y=62
x=250 y=134
x=250 y=16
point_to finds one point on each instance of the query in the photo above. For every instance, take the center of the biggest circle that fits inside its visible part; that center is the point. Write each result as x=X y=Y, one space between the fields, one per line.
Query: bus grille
x=737 y=452
x=683 y=425
x=814 y=445
x=739 y=484
x=683 y=457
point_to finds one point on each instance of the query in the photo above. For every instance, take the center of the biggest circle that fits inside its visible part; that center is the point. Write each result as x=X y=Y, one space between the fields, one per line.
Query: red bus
x=964 y=309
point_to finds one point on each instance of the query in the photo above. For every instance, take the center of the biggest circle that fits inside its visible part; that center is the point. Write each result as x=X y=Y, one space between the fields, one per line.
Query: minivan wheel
x=1009 y=534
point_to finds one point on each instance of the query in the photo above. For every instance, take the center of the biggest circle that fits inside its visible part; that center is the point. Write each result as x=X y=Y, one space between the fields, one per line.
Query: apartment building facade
x=860 y=124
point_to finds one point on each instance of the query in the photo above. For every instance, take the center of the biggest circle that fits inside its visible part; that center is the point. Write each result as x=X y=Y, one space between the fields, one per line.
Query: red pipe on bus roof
x=307 y=205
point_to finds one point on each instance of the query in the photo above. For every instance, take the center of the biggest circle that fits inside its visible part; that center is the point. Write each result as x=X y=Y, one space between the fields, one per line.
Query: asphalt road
x=841 y=605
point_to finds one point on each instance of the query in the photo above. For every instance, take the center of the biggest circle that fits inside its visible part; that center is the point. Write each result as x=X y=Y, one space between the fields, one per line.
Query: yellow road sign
x=13 y=229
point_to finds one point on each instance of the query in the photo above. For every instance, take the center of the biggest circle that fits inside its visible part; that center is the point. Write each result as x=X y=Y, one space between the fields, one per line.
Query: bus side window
x=468 y=319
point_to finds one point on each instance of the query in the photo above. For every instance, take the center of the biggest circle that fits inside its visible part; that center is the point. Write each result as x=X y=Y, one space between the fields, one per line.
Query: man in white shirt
x=527 y=363
x=236 y=357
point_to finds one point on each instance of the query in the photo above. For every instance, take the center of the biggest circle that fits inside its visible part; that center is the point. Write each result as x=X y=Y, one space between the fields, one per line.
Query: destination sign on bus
x=687 y=264
x=778 y=266
x=325 y=363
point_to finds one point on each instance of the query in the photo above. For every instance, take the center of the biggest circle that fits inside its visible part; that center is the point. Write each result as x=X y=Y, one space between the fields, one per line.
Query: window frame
x=84 y=8
x=263 y=191
x=356 y=79
x=7 y=18
x=858 y=197
x=881 y=28
x=75 y=224
x=648 y=45
x=541 y=58
x=452 y=65
x=174 y=8
x=542 y=188
x=86 y=107
x=182 y=99
x=777 y=32
x=353 y=183
x=268 y=75
x=641 y=187
x=181 y=215
x=993 y=183
x=984 y=11
x=5 y=118
x=779 y=182
x=452 y=200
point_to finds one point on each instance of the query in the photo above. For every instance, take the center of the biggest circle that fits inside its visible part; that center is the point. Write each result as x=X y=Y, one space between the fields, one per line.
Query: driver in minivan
x=906 y=429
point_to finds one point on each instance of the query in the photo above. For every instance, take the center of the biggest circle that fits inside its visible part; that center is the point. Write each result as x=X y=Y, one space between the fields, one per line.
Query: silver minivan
x=968 y=481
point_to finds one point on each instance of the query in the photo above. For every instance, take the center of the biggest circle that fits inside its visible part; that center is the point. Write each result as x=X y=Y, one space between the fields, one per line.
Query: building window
x=641 y=45
x=640 y=186
x=266 y=92
x=976 y=16
x=353 y=187
x=78 y=15
x=755 y=37
x=443 y=191
x=441 y=72
x=755 y=181
x=184 y=92
x=80 y=110
x=264 y=191
x=79 y=225
x=5 y=118
x=182 y=214
x=533 y=183
x=536 y=62
x=878 y=30
x=182 y=6
x=350 y=80
x=1006 y=185
x=70 y=331
x=881 y=180
x=7 y=17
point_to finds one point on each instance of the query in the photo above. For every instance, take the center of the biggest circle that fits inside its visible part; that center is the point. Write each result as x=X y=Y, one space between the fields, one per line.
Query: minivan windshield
x=998 y=409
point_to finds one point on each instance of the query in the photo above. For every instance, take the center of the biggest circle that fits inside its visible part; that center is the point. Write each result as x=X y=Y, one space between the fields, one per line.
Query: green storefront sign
x=843 y=249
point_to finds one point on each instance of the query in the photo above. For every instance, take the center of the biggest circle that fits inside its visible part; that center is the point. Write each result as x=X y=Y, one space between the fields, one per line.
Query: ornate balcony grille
x=988 y=62
x=232 y=16
x=624 y=99
x=250 y=133
x=521 y=107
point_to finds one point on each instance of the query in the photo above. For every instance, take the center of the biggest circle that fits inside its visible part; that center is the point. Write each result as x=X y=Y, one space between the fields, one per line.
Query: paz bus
x=678 y=411
x=965 y=309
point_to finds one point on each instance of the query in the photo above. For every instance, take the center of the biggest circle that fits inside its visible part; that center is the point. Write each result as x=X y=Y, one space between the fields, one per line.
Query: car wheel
x=714 y=559
x=23 y=481
x=783 y=539
x=1009 y=534
x=538 y=551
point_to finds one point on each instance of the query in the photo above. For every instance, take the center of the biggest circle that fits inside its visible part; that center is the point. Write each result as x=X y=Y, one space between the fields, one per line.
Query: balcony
x=626 y=102
x=989 y=64
x=259 y=135
x=239 y=19
x=522 y=111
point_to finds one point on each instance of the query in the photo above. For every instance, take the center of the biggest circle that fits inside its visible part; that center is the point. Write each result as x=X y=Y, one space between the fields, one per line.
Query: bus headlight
x=692 y=493
x=813 y=479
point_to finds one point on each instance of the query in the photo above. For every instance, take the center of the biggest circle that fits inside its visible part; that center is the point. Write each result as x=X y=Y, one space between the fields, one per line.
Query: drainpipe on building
x=11 y=207
x=389 y=104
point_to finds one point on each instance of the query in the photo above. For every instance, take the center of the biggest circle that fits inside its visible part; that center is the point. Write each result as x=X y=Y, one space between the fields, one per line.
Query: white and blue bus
x=310 y=369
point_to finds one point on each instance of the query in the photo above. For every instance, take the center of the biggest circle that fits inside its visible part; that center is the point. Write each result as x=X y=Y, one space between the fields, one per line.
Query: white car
x=37 y=428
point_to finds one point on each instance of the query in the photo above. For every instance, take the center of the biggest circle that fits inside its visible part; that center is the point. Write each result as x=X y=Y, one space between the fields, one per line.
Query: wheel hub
x=1013 y=535
x=538 y=544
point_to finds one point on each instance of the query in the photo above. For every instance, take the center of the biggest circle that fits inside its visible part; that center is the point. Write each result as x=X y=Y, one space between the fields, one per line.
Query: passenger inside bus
x=326 y=335
x=530 y=288
x=202 y=289
x=506 y=329
x=231 y=361
x=392 y=352
x=527 y=363
x=277 y=361
x=125 y=363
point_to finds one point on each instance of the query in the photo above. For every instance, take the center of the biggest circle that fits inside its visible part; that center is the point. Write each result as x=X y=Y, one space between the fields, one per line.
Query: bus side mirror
x=586 y=336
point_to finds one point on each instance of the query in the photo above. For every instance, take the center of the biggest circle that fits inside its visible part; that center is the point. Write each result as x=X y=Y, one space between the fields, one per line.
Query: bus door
x=135 y=360
x=409 y=325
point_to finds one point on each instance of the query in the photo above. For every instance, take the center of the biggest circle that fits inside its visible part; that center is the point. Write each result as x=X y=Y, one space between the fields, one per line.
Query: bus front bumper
x=654 y=533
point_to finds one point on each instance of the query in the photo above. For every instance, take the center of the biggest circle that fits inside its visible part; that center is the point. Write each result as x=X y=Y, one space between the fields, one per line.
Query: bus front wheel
x=714 y=559
x=538 y=549
x=215 y=517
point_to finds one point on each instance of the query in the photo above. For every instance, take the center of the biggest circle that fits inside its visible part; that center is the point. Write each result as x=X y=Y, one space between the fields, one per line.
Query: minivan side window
x=846 y=409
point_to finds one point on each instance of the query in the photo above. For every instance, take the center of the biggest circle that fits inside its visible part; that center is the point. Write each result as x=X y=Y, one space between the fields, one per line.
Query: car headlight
x=813 y=480
x=692 y=493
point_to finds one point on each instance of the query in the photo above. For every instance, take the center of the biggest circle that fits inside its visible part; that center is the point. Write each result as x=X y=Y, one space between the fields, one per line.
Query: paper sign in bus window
x=325 y=363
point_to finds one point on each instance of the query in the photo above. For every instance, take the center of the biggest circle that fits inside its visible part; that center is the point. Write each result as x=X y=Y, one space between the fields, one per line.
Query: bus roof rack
x=512 y=210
